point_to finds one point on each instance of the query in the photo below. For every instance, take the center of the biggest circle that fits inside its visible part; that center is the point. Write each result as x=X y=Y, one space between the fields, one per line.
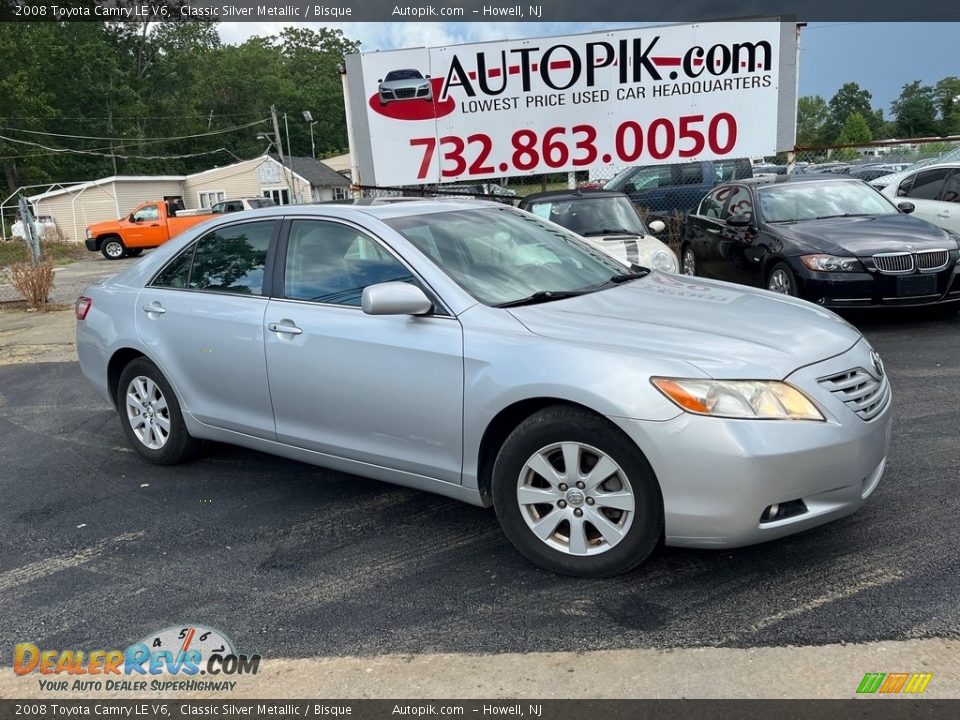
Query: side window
x=177 y=273
x=150 y=212
x=712 y=205
x=690 y=174
x=650 y=178
x=738 y=202
x=952 y=191
x=231 y=259
x=928 y=184
x=332 y=263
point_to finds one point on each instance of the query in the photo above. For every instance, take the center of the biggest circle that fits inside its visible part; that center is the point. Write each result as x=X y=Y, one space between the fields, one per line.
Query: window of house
x=280 y=196
x=208 y=199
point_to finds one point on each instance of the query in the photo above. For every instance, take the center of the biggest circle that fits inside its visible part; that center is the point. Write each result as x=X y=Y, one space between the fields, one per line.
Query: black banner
x=865 y=709
x=328 y=11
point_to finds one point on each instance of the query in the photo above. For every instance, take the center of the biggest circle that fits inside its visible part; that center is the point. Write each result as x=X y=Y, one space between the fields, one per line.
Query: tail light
x=82 y=307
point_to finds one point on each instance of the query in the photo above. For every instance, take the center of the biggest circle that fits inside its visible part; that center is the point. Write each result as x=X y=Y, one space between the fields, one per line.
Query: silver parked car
x=477 y=351
x=407 y=84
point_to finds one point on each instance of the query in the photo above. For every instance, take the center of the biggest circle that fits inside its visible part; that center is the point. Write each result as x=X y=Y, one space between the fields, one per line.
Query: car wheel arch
x=504 y=423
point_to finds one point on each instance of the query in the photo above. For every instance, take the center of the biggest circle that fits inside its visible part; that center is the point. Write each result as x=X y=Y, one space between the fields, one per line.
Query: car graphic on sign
x=408 y=84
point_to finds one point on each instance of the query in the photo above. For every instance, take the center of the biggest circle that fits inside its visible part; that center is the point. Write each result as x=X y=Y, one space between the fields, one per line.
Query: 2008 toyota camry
x=483 y=353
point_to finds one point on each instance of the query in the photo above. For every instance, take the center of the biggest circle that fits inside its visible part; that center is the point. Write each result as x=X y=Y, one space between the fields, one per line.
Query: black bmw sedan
x=831 y=240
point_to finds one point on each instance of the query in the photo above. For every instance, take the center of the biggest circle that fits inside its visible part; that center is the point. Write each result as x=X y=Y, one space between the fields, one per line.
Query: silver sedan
x=476 y=351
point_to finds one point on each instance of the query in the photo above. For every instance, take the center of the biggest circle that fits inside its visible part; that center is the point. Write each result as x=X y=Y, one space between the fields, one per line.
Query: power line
x=111 y=154
x=128 y=140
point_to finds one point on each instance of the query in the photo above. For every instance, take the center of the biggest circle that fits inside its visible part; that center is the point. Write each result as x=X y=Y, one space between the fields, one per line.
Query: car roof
x=579 y=194
x=383 y=212
x=793 y=179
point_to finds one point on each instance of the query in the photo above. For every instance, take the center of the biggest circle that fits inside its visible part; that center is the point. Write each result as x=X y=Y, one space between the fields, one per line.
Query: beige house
x=299 y=180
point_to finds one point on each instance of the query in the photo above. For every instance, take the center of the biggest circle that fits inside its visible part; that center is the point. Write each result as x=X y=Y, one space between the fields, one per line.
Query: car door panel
x=385 y=390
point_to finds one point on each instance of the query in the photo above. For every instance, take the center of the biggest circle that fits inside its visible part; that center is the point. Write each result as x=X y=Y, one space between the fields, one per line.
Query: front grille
x=894 y=262
x=932 y=259
x=406 y=92
x=860 y=391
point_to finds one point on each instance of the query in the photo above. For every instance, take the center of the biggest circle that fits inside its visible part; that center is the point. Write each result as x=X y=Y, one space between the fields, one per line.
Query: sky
x=881 y=57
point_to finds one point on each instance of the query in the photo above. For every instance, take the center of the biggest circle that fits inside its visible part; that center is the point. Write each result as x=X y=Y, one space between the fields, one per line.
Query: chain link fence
x=669 y=192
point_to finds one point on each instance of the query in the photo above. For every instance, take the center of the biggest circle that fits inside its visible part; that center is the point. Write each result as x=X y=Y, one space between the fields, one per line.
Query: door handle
x=154 y=308
x=290 y=329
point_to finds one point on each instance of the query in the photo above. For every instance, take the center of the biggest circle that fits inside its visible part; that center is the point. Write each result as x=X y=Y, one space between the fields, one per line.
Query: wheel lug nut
x=563 y=487
x=578 y=512
x=590 y=501
x=581 y=485
x=562 y=504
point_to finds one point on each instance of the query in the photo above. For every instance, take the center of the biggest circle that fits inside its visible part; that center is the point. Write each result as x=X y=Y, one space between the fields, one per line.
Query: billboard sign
x=625 y=97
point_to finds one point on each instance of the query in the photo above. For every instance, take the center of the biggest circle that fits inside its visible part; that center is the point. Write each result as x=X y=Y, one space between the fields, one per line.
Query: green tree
x=947 y=97
x=916 y=111
x=812 y=117
x=855 y=131
x=850 y=99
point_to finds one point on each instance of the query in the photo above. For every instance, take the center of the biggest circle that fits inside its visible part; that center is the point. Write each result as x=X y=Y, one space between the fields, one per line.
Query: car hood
x=629 y=249
x=103 y=227
x=863 y=236
x=724 y=330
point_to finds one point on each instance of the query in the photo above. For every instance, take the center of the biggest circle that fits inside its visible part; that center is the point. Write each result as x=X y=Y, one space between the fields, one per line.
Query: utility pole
x=289 y=155
x=279 y=144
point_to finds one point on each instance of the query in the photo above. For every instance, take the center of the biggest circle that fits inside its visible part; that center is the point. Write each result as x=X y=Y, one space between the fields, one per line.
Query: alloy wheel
x=147 y=412
x=575 y=498
x=780 y=282
x=113 y=249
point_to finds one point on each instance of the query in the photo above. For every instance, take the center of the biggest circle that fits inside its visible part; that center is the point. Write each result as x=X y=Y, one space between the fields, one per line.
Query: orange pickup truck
x=146 y=227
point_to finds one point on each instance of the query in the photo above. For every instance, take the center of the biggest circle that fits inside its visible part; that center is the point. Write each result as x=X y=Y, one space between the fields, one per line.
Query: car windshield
x=404 y=75
x=589 y=216
x=502 y=256
x=823 y=199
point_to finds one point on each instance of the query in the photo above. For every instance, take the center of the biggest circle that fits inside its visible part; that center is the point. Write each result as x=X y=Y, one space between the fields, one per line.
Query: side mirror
x=657 y=226
x=906 y=207
x=426 y=77
x=133 y=219
x=739 y=220
x=380 y=80
x=395 y=298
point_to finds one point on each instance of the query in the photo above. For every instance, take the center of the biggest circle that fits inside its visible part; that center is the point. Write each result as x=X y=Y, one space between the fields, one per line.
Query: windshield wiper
x=828 y=217
x=542 y=296
x=636 y=272
x=609 y=231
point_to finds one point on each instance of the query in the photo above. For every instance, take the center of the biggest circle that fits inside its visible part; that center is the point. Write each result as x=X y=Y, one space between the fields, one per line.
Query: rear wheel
x=781 y=280
x=575 y=495
x=151 y=415
x=113 y=248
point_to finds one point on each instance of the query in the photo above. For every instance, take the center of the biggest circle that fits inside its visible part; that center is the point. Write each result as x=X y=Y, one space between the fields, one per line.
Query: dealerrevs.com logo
x=171 y=660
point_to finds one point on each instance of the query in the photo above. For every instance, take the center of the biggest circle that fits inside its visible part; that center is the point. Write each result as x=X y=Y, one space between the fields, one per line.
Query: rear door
x=704 y=229
x=202 y=320
x=384 y=390
x=936 y=195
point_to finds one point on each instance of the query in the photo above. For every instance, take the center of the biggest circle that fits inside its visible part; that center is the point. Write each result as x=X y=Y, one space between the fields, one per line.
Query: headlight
x=664 y=261
x=831 y=263
x=89 y=234
x=757 y=399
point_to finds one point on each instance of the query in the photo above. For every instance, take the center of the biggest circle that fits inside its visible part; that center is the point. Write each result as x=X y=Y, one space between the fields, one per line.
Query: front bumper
x=718 y=477
x=874 y=289
x=92 y=244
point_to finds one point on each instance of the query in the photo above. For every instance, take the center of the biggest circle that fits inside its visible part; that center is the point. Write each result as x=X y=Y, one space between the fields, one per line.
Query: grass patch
x=60 y=252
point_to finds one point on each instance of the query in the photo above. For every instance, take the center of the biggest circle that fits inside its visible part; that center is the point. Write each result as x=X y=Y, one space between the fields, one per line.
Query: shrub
x=33 y=282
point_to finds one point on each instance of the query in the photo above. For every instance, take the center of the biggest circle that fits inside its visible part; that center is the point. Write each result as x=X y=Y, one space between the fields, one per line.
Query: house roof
x=315 y=172
x=79 y=187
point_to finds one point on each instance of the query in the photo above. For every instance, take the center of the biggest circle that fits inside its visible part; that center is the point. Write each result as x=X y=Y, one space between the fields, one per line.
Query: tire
x=782 y=281
x=134 y=252
x=112 y=248
x=542 y=441
x=155 y=430
x=688 y=260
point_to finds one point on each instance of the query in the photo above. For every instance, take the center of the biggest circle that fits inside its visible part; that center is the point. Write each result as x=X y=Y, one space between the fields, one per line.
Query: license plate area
x=911 y=285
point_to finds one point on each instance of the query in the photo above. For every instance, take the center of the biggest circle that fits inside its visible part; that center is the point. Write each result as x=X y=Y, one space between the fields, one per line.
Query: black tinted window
x=177 y=273
x=952 y=192
x=231 y=259
x=332 y=263
x=927 y=185
x=691 y=174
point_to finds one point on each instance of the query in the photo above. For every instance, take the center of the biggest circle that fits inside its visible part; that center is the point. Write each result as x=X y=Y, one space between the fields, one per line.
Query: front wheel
x=781 y=280
x=575 y=495
x=151 y=415
x=113 y=248
x=688 y=261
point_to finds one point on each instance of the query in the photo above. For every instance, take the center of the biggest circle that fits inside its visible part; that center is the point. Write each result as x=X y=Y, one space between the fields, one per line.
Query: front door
x=384 y=390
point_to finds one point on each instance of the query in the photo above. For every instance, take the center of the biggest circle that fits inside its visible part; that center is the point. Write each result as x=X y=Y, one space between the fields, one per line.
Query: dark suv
x=665 y=189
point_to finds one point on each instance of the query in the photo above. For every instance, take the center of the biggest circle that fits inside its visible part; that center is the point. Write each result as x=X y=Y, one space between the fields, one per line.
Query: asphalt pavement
x=98 y=548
